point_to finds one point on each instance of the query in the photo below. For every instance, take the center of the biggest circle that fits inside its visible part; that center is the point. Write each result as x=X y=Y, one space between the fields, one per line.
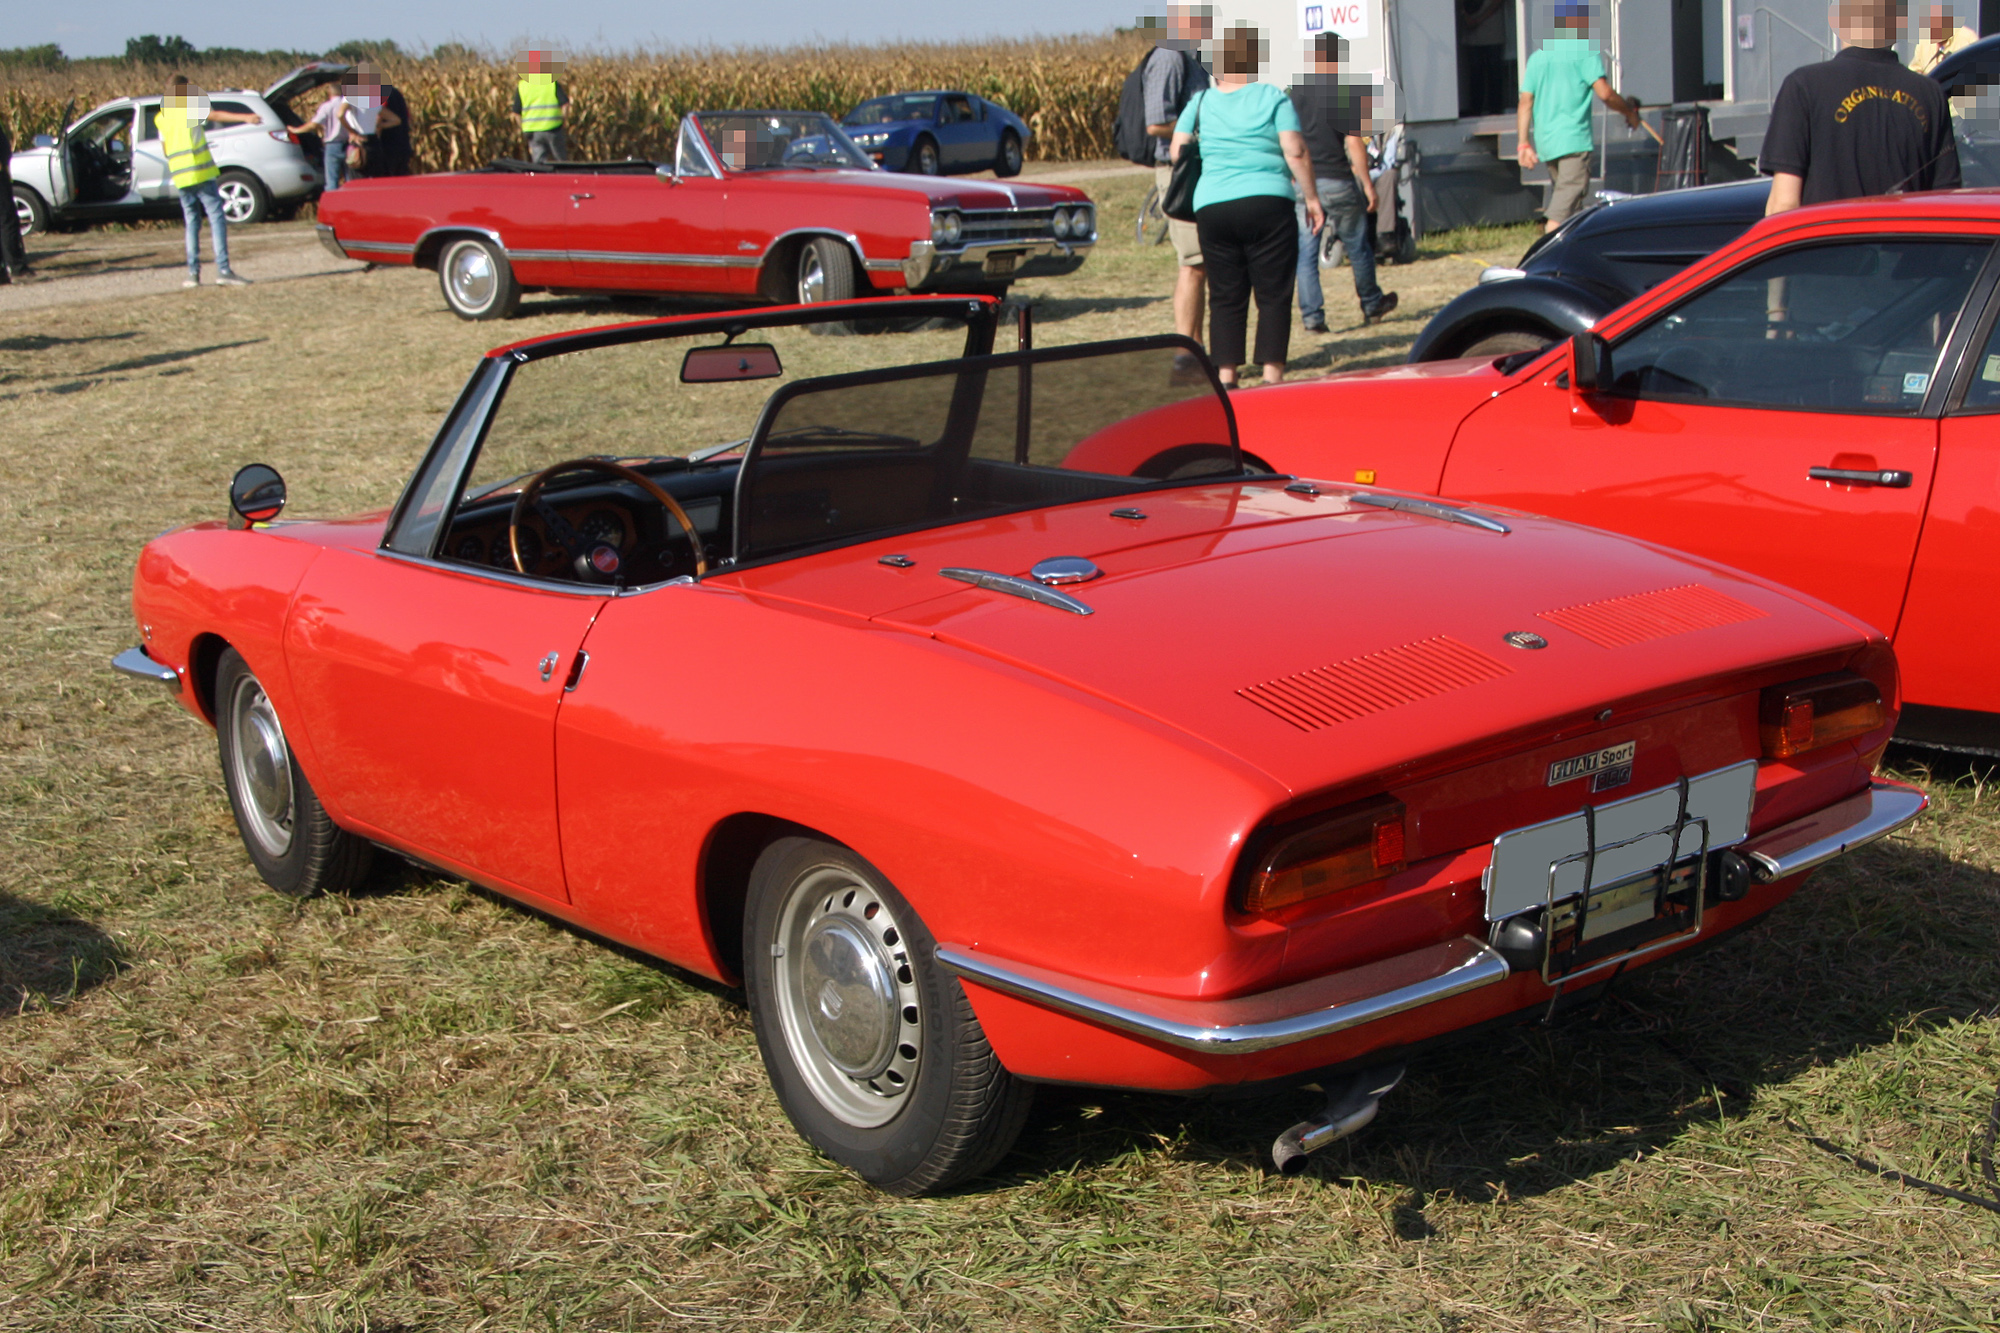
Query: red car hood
x=1322 y=640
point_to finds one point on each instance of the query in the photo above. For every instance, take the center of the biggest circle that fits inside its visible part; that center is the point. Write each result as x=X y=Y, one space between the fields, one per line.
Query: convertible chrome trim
x=1410 y=504
x=640 y=257
x=1019 y=587
x=1825 y=834
x=135 y=662
x=350 y=248
x=1291 y=1014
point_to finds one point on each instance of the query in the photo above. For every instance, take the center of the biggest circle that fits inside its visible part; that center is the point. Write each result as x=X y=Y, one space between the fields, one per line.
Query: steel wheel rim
x=1010 y=153
x=847 y=1001
x=260 y=771
x=472 y=277
x=812 y=277
x=237 y=204
x=25 y=214
x=927 y=160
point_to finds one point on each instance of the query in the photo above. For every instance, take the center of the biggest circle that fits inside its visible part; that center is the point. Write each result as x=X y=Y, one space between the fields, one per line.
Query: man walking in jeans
x=1334 y=119
x=182 y=117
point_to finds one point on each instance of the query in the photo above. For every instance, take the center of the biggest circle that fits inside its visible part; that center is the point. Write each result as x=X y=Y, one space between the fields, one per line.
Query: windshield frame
x=774 y=406
x=862 y=162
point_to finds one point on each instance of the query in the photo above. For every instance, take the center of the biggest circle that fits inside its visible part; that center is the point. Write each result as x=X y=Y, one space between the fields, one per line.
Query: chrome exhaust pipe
x=1351 y=1104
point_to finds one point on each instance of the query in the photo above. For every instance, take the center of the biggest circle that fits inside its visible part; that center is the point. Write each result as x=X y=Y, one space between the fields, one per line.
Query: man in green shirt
x=1554 y=116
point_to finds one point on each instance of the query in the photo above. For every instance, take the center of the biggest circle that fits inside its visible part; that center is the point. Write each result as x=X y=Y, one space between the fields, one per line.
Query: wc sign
x=1349 y=18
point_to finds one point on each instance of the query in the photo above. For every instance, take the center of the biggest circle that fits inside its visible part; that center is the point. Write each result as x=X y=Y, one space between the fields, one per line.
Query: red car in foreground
x=769 y=205
x=1815 y=403
x=979 y=767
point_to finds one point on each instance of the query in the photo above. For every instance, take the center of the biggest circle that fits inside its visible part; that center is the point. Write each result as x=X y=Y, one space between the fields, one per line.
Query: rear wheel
x=477 y=280
x=873 y=1049
x=244 y=198
x=1009 y=161
x=924 y=158
x=292 y=841
x=31 y=211
x=1503 y=342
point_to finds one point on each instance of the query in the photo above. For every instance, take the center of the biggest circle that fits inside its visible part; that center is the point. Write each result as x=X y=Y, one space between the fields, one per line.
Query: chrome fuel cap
x=1064 y=569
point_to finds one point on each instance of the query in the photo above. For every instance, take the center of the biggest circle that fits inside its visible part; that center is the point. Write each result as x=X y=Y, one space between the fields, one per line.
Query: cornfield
x=630 y=105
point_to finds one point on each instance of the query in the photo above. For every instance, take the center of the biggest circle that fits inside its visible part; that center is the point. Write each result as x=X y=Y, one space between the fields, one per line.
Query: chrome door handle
x=547 y=666
x=575 y=197
x=1891 y=477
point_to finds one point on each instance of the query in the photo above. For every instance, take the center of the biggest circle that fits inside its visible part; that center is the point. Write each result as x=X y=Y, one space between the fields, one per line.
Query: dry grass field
x=421 y=1108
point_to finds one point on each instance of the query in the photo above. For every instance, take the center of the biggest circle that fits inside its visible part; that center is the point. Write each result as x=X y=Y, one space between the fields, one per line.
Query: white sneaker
x=232 y=280
x=190 y=281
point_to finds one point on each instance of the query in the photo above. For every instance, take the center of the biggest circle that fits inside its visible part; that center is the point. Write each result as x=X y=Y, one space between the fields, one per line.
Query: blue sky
x=101 y=27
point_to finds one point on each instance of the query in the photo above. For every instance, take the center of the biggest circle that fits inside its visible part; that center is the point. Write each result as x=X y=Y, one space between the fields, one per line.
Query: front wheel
x=873 y=1049
x=477 y=280
x=292 y=841
x=32 y=213
x=1009 y=161
x=244 y=198
x=924 y=158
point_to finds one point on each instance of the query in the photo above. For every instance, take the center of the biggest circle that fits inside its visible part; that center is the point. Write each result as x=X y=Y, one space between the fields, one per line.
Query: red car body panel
x=1725 y=483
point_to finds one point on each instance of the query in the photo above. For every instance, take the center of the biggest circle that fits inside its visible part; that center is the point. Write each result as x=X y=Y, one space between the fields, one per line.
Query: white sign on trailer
x=1349 y=18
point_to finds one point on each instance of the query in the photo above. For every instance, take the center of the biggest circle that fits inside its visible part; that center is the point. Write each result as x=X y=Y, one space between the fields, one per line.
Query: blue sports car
x=938 y=133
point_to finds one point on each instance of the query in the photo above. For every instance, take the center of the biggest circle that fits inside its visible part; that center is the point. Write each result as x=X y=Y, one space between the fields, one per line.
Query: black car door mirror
x=1590 y=363
x=256 y=495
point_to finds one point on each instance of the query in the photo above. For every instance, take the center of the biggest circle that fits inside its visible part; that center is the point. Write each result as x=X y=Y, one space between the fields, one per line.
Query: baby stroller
x=1392 y=165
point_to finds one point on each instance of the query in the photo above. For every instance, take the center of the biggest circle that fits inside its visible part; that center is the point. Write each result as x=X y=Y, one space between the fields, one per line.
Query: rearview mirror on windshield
x=739 y=361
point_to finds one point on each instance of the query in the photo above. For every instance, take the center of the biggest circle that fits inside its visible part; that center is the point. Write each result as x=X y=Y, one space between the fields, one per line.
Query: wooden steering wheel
x=533 y=490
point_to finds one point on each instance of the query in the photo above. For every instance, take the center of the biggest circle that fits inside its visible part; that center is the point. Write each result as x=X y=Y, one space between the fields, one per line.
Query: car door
x=642 y=232
x=98 y=154
x=150 y=178
x=1775 y=420
x=961 y=134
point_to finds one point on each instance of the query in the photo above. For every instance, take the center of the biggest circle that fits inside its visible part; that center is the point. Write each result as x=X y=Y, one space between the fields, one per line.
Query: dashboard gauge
x=602 y=527
x=531 y=550
x=470 y=549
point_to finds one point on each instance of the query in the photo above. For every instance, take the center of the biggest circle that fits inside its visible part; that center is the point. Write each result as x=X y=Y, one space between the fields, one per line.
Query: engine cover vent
x=1329 y=695
x=1619 y=622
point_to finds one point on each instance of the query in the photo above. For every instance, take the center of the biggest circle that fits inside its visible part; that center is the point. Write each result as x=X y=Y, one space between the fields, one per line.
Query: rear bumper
x=330 y=241
x=135 y=663
x=1359 y=998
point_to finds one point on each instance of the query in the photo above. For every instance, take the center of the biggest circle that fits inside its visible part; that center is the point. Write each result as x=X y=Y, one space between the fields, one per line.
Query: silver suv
x=110 y=166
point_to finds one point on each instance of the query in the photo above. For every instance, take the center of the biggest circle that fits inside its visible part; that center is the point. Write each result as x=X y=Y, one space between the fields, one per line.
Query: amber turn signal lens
x=1354 y=846
x=1810 y=714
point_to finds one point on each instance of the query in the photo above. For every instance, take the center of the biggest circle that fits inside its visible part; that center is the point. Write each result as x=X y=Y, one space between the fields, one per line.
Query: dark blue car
x=938 y=133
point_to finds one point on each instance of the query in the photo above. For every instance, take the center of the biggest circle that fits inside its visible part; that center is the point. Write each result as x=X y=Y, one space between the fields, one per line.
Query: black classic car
x=1606 y=255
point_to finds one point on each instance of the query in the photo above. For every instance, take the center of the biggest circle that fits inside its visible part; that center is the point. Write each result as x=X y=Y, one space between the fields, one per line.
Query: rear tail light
x=1355 y=846
x=283 y=136
x=1810 y=714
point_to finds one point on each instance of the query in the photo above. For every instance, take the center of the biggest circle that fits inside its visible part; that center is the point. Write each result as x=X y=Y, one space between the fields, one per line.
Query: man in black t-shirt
x=1334 y=116
x=1858 y=124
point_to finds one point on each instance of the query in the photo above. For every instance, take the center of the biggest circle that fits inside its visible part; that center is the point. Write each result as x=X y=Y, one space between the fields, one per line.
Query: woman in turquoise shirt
x=1252 y=156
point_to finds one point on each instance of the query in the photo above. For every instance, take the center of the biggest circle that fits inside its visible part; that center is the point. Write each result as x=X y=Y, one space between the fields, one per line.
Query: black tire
x=1504 y=342
x=292 y=841
x=477 y=281
x=1195 y=460
x=873 y=1048
x=924 y=159
x=1009 y=161
x=245 y=201
x=825 y=271
x=32 y=212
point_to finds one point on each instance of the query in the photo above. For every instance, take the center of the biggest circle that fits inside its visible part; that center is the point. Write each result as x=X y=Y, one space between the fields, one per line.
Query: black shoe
x=1315 y=323
x=1380 y=312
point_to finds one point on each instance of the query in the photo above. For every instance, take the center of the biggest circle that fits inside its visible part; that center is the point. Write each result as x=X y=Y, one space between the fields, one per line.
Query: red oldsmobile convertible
x=772 y=205
x=1818 y=402
x=979 y=768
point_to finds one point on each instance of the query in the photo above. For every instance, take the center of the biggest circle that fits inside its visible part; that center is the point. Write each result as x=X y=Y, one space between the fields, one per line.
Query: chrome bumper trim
x=349 y=248
x=330 y=241
x=1039 y=258
x=134 y=662
x=1857 y=821
x=1315 y=1008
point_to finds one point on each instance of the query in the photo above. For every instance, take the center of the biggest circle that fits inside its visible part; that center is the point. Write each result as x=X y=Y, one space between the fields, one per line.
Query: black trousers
x=13 y=258
x=1249 y=245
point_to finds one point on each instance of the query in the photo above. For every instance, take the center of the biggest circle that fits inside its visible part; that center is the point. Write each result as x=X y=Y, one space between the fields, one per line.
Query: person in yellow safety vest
x=542 y=105
x=183 y=117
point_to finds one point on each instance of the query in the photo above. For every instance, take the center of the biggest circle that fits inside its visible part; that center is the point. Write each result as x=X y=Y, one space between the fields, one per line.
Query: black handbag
x=1179 y=201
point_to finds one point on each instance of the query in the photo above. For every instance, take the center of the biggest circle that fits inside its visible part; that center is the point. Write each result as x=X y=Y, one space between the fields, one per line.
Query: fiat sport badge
x=1606 y=768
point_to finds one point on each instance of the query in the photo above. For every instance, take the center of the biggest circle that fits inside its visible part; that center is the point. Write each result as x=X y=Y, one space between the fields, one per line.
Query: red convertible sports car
x=1816 y=403
x=978 y=766
x=777 y=205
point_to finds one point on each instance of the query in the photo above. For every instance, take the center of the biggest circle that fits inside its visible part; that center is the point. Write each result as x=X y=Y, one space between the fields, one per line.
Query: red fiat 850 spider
x=978 y=768
x=1816 y=403
x=778 y=205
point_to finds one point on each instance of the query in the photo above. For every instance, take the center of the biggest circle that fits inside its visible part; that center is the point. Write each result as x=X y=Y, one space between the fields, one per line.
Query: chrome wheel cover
x=847 y=996
x=260 y=770
x=470 y=277
x=812 y=277
x=238 y=203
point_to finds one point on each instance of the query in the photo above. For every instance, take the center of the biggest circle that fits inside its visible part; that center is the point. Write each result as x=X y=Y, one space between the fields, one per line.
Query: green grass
x=421 y=1108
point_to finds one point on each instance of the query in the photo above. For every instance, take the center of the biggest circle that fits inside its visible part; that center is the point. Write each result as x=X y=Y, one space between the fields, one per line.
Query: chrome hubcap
x=847 y=996
x=812 y=277
x=262 y=773
x=473 y=281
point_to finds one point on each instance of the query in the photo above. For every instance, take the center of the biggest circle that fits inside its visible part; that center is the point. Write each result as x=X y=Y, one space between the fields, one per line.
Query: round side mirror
x=256 y=494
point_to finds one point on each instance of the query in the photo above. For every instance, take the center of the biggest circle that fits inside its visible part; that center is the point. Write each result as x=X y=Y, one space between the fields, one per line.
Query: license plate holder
x=1619 y=919
x=1000 y=264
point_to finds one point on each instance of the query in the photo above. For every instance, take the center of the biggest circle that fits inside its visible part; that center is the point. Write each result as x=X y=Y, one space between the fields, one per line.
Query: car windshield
x=774 y=140
x=869 y=455
x=889 y=110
